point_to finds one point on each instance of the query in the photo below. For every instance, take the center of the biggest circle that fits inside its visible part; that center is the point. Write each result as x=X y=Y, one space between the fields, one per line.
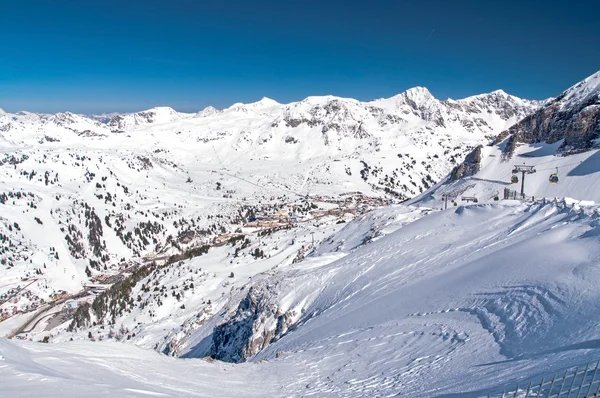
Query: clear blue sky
x=100 y=56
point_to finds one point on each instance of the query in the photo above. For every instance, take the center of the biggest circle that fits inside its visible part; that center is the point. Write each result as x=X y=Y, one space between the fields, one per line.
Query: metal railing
x=575 y=382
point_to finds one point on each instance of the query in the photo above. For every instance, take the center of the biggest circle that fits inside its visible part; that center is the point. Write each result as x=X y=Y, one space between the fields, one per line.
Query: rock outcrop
x=257 y=322
x=470 y=166
x=574 y=116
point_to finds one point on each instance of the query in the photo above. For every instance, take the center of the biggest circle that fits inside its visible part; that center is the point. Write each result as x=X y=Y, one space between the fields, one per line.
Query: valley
x=323 y=247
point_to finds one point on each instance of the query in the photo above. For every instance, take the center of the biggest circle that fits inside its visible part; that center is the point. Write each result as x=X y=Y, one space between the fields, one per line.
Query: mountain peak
x=320 y=99
x=416 y=97
x=263 y=103
x=208 y=111
x=253 y=106
x=160 y=109
x=418 y=90
x=572 y=117
x=495 y=93
x=158 y=114
x=417 y=94
x=581 y=91
x=266 y=101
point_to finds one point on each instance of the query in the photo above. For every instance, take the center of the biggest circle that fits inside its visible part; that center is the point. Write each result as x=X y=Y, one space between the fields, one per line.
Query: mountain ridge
x=81 y=198
x=573 y=117
x=264 y=232
x=267 y=100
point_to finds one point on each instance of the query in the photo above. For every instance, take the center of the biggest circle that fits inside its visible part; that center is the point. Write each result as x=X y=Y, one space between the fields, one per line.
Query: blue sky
x=99 y=56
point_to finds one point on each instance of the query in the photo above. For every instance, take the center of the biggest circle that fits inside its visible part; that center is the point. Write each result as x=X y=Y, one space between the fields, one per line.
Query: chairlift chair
x=554 y=177
x=514 y=179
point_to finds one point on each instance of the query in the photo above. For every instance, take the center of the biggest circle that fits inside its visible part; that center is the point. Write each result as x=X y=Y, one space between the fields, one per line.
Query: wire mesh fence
x=577 y=382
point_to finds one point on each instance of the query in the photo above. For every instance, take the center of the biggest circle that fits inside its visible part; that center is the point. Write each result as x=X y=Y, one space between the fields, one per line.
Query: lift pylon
x=523 y=169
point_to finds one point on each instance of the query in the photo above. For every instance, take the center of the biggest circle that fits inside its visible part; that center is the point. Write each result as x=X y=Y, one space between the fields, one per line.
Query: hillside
x=85 y=198
x=559 y=139
x=573 y=118
x=269 y=240
x=513 y=283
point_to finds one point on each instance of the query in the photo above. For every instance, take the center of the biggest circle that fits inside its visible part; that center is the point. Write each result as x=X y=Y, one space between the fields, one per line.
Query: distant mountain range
x=85 y=196
x=148 y=223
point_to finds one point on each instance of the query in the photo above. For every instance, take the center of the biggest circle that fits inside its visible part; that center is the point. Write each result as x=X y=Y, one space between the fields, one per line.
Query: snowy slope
x=560 y=138
x=340 y=298
x=504 y=282
x=581 y=92
x=82 y=198
x=579 y=176
x=461 y=301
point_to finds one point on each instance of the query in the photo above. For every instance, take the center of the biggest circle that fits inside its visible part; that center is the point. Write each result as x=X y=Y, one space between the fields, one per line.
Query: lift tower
x=520 y=168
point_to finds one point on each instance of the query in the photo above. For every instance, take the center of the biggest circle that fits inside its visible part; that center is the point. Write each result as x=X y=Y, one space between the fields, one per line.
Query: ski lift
x=554 y=177
x=514 y=180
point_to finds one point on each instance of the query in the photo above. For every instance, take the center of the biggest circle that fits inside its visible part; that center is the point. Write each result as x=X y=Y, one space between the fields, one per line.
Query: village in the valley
x=314 y=209
x=343 y=208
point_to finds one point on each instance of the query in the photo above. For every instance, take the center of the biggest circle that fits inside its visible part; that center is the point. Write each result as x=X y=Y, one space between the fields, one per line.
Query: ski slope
x=343 y=301
x=579 y=176
x=83 y=197
x=466 y=301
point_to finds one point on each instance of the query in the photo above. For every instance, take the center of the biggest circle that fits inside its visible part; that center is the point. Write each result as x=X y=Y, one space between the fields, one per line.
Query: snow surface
x=163 y=167
x=579 y=176
x=465 y=300
x=581 y=91
x=403 y=300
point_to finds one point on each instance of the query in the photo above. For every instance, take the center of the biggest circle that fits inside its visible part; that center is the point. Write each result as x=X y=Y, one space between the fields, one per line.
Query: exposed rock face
x=573 y=116
x=155 y=115
x=481 y=113
x=176 y=339
x=497 y=102
x=470 y=166
x=257 y=322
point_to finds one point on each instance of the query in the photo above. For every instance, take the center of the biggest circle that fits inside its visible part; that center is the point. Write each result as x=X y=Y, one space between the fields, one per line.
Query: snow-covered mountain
x=479 y=114
x=572 y=118
x=560 y=139
x=132 y=121
x=465 y=302
x=103 y=117
x=91 y=195
x=34 y=128
x=256 y=233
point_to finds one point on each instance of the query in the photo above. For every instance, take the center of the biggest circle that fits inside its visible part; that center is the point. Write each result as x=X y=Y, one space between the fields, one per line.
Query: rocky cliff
x=574 y=116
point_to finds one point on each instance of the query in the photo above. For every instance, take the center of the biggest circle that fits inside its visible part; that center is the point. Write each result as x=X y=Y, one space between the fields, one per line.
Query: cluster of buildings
x=14 y=296
x=279 y=218
x=5 y=314
x=353 y=203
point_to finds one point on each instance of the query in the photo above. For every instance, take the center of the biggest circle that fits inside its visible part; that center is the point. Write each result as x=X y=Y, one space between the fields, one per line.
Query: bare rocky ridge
x=574 y=116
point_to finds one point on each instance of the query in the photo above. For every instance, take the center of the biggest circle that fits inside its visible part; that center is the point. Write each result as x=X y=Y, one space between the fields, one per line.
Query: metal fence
x=578 y=382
